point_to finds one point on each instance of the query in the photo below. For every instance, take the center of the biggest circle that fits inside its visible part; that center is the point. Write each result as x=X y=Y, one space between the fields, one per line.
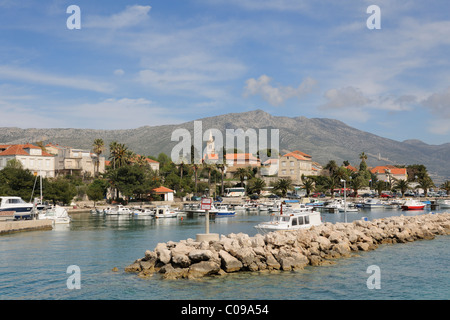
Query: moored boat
x=57 y=214
x=222 y=211
x=290 y=220
x=444 y=203
x=15 y=207
x=412 y=204
x=165 y=212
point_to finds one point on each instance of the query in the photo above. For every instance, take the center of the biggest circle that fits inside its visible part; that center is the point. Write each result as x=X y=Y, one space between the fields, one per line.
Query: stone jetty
x=285 y=250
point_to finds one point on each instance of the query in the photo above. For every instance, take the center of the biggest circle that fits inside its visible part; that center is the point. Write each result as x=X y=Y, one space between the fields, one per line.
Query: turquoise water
x=33 y=265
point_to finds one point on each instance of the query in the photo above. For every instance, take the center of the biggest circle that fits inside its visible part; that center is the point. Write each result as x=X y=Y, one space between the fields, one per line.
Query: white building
x=32 y=158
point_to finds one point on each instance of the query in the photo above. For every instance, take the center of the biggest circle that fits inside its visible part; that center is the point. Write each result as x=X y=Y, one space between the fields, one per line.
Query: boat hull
x=419 y=207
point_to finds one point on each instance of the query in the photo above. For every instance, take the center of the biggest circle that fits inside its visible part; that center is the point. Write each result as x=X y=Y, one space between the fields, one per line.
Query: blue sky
x=136 y=63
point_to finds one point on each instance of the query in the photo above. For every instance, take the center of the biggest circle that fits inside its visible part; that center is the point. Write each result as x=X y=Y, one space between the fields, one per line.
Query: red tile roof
x=298 y=155
x=162 y=190
x=393 y=170
x=20 y=150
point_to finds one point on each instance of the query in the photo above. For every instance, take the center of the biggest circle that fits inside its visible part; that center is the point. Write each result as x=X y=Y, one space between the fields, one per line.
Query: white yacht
x=165 y=212
x=373 y=204
x=443 y=203
x=291 y=220
x=15 y=207
x=119 y=210
x=142 y=212
x=57 y=214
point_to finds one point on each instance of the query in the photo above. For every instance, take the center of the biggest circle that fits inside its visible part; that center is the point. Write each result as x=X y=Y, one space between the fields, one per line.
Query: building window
x=283 y=172
x=292 y=171
x=283 y=163
x=292 y=163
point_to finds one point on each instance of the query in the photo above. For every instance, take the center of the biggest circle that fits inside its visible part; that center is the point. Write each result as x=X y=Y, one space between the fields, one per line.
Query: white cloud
x=439 y=103
x=345 y=98
x=276 y=96
x=122 y=113
x=131 y=16
x=25 y=75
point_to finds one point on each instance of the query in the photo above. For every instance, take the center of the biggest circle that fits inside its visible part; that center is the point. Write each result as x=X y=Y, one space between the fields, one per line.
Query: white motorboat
x=334 y=204
x=142 y=212
x=15 y=207
x=57 y=214
x=291 y=220
x=443 y=203
x=373 y=204
x=165 y=212
x=118 y=210
x=222 y=211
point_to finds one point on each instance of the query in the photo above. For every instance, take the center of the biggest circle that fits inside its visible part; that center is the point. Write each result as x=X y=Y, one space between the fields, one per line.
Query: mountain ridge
x=323 y=138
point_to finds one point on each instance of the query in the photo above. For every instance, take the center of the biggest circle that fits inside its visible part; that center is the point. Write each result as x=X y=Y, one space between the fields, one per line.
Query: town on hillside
x=71 y=174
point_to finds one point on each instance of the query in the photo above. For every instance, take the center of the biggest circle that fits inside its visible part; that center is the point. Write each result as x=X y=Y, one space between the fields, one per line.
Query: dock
x=7 y=227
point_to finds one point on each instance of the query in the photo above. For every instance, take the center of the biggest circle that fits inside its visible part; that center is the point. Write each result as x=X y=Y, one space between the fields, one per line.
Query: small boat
x=222 y=211
x=373 y=204
x=96 y=211
x=142 y=212
x=118 y=210
x=165 y=212
x=57 y=214
x=444 y=203
x=412 y=204
x=290 y=220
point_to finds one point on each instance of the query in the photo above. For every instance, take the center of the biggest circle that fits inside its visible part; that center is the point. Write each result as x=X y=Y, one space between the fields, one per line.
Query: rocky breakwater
x=285 y=250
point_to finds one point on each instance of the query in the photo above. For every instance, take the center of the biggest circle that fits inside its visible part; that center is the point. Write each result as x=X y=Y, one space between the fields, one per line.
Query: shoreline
x=284 y=250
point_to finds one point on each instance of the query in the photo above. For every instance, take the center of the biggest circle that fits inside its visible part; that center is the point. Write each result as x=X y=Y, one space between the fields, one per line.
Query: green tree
x=241 y=174
x=356 y=184
x=59 y=190
x=308 y=185
x=380 y=186
x=332 y=167
x=402 y=186
x=446 y=187
x=16 y=181
x=256 y=185
x=425 y=184
x=331 y=183
x=96 y=191
x=98 y=148
x=283 y=186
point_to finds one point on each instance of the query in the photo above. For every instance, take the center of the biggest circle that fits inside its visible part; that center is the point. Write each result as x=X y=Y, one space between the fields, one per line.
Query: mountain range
x=324 y=139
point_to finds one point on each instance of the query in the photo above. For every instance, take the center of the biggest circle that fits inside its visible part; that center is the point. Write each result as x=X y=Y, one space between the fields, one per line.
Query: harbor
x=100 y=243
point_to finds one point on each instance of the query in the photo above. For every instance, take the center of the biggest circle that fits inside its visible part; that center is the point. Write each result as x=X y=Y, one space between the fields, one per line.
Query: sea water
x=34 y=265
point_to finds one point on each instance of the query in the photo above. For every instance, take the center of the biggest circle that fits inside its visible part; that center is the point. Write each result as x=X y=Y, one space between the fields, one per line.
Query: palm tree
x=331 y=183
x=380 y=186
x=256 y=185
x=356 y=184
x=363 y=157
x=425 y=184
x=283 y=185
x=113 y=147
x=241 y=173
x=446 y=187
x=221 y=167
x=402 y=185
x=308 y=184
x=99 y=146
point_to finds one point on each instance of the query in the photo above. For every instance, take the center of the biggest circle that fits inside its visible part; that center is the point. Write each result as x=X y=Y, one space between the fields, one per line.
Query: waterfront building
x=294 y=164
x=32 y=158
x=69 y=161
x=389 y=173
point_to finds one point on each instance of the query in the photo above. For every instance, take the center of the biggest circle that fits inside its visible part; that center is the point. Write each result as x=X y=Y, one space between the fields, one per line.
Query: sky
x=156 y=62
